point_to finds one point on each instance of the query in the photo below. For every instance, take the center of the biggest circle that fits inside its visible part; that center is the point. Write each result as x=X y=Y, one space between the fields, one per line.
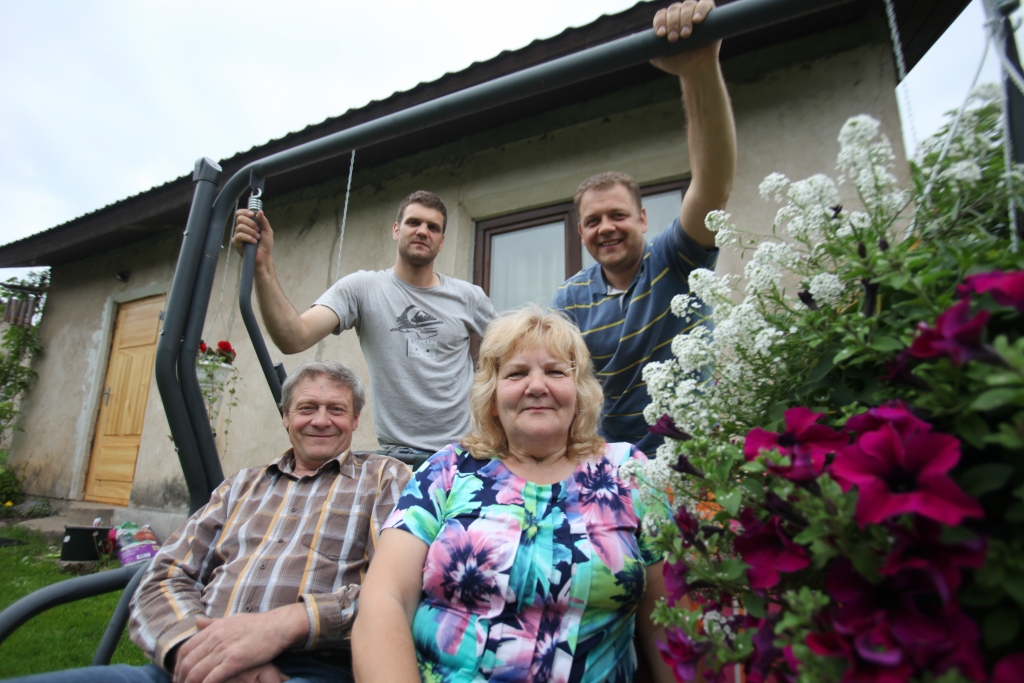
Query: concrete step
x=82 y=513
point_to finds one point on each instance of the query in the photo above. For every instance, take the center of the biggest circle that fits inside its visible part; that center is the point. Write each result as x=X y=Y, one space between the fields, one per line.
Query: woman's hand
x=647 y=632
x=382 y=645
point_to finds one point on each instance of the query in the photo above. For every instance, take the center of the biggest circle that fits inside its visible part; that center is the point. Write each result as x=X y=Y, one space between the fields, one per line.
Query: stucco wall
x=788 y=116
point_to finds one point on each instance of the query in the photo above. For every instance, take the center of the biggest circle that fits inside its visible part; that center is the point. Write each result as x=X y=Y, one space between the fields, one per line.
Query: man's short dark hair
x=335 y=372
x=605 y=181
x=427 y=199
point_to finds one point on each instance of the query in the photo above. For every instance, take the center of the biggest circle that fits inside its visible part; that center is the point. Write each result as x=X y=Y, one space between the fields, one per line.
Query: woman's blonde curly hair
x=506 y=336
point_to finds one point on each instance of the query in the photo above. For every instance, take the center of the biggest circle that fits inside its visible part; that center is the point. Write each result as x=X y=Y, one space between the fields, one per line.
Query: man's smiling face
x=612 y=228
x=320 y=421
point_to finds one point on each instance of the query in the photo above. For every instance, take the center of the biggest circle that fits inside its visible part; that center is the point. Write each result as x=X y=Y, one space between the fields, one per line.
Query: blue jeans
x=302 y=667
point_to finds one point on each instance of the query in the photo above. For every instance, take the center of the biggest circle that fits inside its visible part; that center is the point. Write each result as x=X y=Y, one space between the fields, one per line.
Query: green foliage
x=18 y=347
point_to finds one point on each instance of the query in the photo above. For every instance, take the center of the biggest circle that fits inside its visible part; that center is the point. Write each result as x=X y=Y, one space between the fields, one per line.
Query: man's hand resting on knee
x=241 y=647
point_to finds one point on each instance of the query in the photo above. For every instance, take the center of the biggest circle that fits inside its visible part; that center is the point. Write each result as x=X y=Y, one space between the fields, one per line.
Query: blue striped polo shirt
x=626 y=331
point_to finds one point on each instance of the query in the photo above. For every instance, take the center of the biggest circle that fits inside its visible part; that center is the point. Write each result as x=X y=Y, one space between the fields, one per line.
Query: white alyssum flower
x=717 y=624
x=966 y=172
x=859 y=220
x=773 y=187
x=691 y=350
x=826 y=289
x=717 y=220
x=685 y=305
x=709 y=287
x=765 y=339
x=765 y=268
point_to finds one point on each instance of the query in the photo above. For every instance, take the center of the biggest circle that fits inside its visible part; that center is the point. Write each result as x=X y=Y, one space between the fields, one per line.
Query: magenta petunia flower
x=675 y=580
x=884 y=665
x=805 y=444
x=895 y=413
x=681 y=653
x=896 y=475
x=1006 y=288
x=768 y=551
x=956 y=335
x=688 y=526
x=767 y=656
x=666 y=427
x=1008 y=669
x=921 y=548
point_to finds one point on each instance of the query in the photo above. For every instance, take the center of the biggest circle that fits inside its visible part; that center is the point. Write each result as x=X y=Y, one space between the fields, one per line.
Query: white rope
x=344 y=215
x=901 y=70
x=341 y=240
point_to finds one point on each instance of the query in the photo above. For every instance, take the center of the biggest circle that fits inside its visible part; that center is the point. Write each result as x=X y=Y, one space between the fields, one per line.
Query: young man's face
x=612 y=228
x=420 y=234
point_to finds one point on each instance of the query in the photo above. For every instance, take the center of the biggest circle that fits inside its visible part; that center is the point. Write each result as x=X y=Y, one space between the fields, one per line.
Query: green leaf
x=1000 y=626
x=1015 y=513
x=979 y=596
x=994 y=398
x=887 y=344
x=1014 y=586
x=843 y=355
x=981 y=479
x=866 y=562
x=819 y=371
x=754 y=604
x=729 y=499
x=730 y=570
x=972 y=428
x=754 y=488
x=753 y=467
x=1007 y=437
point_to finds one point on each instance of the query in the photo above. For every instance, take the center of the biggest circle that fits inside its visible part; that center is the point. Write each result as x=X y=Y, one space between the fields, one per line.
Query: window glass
x=527 y=265
x=662 y=209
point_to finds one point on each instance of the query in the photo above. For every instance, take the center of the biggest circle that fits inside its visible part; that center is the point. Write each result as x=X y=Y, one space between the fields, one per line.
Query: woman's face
x=535 y=400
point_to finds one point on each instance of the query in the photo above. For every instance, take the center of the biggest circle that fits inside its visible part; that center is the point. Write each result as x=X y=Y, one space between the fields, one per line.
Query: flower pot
x=212 y=376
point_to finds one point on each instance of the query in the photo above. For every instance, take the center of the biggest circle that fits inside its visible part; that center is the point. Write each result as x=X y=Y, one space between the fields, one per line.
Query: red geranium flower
x=955 y=335
x=1008 y=669
x=1006 y=288
x=224 y=350
x=805 y=443
x=768 y=550
x=202 y=347
x=896 y=474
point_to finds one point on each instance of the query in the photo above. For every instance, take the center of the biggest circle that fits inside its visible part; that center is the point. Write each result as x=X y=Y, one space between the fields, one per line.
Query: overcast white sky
x=102 y=100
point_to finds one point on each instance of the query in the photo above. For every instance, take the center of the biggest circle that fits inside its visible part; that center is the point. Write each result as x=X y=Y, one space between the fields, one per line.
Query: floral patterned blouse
x=524 y=581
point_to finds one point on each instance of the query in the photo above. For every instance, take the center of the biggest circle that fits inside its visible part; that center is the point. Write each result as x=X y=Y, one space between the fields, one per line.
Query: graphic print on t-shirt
x=416 y=321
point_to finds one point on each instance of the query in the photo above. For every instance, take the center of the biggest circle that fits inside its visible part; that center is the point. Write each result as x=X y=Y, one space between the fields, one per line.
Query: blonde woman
x=516 y=555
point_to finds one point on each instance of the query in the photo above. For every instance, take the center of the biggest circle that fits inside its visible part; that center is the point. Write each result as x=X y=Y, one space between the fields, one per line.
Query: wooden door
x=115 y=447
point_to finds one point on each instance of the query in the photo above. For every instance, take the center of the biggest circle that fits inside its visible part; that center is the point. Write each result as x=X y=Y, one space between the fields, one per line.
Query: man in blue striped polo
x=622 y=303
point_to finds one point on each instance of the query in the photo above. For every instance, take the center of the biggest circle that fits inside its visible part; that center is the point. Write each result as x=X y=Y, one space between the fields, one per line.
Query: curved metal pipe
x=62 y=593
x=206 y=175
x=729 y=20
x=115 y=627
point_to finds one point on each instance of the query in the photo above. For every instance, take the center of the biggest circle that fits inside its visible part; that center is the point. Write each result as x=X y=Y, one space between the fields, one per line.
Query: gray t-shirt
x=416 y=342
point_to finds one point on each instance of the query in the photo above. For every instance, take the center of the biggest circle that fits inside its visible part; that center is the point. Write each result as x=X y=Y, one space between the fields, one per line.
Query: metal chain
x=901 y=70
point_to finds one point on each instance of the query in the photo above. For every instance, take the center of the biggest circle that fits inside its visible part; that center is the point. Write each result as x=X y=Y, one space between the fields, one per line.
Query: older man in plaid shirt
x=261 y=584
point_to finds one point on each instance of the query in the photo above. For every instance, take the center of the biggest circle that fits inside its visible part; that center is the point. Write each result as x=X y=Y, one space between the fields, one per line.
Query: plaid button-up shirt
x=268 y=539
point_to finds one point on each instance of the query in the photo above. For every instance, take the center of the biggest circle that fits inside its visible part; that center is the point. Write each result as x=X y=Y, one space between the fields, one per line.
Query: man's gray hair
x=336 y=372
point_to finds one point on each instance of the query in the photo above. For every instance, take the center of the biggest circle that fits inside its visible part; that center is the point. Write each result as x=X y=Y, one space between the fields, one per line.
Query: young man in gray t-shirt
x=414 y=326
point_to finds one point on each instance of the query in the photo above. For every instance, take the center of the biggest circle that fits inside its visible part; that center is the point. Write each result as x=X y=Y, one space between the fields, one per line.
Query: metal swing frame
x=211 y=211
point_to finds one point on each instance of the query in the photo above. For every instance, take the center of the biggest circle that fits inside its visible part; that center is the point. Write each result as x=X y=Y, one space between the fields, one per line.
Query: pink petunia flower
x=921 y=548
x=681 y=653
x=768 y=551
x=1006 y=288
x=805 y=444
x=898 y=474
x=895 y=413
x=1008 y=669
x=956 y=335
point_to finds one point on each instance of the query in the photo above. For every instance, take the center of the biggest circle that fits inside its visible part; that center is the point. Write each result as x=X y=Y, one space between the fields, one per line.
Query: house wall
x=788 y=113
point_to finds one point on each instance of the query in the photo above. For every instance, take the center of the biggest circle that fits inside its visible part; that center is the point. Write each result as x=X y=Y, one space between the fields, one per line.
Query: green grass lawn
x=63 y=637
